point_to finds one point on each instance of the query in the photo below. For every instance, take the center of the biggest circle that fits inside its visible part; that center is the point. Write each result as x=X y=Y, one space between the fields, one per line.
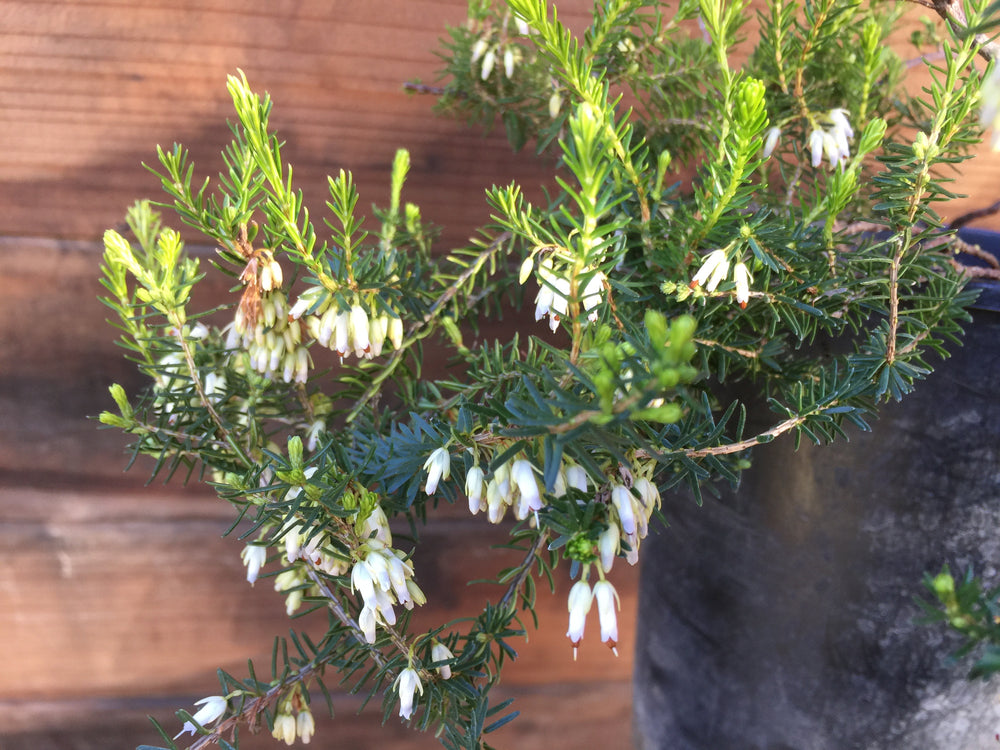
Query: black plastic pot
x=782 y=616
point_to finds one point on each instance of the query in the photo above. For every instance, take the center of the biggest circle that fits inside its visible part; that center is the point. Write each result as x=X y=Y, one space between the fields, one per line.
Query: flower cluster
x=293 y=719
x=315 y=547
x=631 y=511
x=346 y=331
x=555 y=290
x=513 y=484
x=715 y=269
x=384 y=578
x=631 y=501
x=486 y=52
x=273 y=341
x=832 y=142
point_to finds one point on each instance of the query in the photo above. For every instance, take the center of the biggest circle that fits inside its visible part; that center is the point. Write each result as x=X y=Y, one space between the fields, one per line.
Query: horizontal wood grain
x=88 y=89
x=133 y=593
x=552 y=716
x=118 y=600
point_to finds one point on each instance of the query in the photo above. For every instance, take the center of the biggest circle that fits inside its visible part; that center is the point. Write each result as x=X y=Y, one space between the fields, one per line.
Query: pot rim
x=989 y=289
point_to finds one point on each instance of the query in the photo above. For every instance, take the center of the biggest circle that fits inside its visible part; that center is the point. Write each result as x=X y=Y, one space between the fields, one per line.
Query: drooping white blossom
x=489 y=60
x=522 y=474
x=713 y=271
x=499 y=494
x=284 y=728
x=407 y=684
x=438 y=467
x=508 y=62
x=474 y=484
x=254 y=556
x=816 y=147
x=621 y=498
x=576 y=477
x=211 y=709
x=592 y=293
x=579 y=602
x=367 y=622
x=741 y=275
x=479 y=48
x=608 y=544
x=358 y=330
x=771 y=141
x=607 y=605
x=305 y=725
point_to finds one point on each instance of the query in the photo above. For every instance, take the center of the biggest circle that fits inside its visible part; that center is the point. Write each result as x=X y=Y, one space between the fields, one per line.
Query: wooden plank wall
x=118 y=600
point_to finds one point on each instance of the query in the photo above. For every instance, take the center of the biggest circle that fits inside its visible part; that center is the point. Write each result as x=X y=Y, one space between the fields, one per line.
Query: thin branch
x=203 y=398
x=748 y=353
x=334 y=605
x=525 y=569
x=253 y=707
x=147 y=429
x=742 y=445
x=423 y=88
x=897 y=259
x=953 y=11
x=979 y=213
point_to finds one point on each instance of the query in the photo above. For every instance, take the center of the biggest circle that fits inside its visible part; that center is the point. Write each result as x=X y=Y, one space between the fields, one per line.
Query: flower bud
x=474 y=489
x=579 y=601
x=771 y=141
x=395 y=332
x=358 y=331
x=440 y=652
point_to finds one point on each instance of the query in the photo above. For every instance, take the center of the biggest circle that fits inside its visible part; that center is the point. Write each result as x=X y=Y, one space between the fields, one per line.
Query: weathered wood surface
x=107 y=589
x=121 y=596
x=87 y=90
x=595 y=714
x=113 y=594
x=116 y=590
x=129 y=592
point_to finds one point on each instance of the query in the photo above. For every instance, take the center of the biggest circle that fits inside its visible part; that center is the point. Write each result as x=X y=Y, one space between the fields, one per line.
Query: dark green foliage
x=817 y=290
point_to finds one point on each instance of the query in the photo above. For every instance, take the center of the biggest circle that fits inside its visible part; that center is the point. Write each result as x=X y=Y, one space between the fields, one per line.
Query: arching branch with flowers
x=302 y=401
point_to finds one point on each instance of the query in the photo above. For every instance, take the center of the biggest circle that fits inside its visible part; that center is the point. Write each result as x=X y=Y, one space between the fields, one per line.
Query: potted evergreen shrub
x=720 y=234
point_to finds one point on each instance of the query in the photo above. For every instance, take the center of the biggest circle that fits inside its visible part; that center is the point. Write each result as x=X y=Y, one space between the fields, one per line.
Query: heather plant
x=714 y=231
